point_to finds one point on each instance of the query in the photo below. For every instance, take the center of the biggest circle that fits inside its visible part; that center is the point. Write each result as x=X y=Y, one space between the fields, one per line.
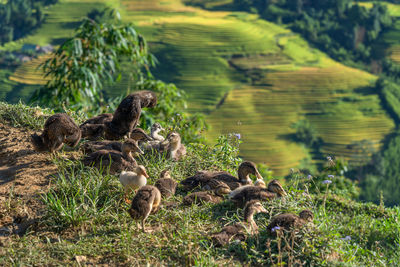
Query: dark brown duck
x=58 y=129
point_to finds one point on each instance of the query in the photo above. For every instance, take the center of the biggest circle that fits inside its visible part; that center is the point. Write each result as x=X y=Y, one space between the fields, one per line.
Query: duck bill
x=263 y=210
x=140 y=151
x=281 y=192
x=146 y=175
x=259 y=177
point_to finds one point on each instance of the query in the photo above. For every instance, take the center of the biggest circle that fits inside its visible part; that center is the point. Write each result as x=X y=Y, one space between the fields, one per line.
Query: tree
x=78 y=69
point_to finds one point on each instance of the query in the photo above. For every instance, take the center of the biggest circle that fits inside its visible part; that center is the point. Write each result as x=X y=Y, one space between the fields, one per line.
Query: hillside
x=77 y=216
x=248 y=75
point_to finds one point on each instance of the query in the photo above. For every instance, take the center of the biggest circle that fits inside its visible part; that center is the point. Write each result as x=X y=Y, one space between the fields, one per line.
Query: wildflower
x=346 y=238
x=329 y=158
x=276 y=228
x=331 y=176
x=309 y=176
x=238 y=136
x=327 y=182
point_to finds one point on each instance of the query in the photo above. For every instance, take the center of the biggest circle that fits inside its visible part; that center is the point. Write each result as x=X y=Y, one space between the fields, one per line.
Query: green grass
x=84 y=217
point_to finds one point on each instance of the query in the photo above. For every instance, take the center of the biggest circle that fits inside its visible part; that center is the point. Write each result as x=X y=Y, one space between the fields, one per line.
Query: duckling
x=133 y=180
x=166 y=184
x=201 y=178
x=175 y=149
x=215 y=196
x=146 y=200
x=117 y=161
x=90 y=147
x=287 y=221
x=156 y=137
x=126 y=116
x=244 y=194
x=58 y=129
x=238 y=231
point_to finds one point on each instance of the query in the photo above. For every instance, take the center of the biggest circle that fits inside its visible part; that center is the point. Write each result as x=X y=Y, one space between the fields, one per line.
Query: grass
x=85 y=220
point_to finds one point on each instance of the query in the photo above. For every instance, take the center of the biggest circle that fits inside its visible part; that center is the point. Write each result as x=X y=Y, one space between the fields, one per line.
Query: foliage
x=170 y=111
x=383 y=177
x=19 y=17
x=79 y=68
x=390 y=94
x=306 y=133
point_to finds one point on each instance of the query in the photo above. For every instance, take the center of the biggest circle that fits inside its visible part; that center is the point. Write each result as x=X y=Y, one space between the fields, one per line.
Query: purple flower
x=331 y=176
x=238 y=136
x=346 y=238
x=276 y=228
x=327 y=182
x=309 y=176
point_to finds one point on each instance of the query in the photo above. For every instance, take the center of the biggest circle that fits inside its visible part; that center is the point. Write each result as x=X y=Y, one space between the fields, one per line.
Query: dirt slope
x=24 y=174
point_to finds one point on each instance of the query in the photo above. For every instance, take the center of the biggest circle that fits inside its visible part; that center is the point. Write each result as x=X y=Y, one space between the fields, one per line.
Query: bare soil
x=24 y=174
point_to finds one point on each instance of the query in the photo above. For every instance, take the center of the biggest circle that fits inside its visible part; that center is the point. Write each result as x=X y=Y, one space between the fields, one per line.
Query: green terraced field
x=250 y=76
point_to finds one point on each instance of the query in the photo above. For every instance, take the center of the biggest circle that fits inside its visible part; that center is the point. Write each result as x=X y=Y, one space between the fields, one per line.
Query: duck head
x=131 y=145
x=165 y=174
x=222 y=189
x=276 y=187
x=140 y=135
x=141 y=170
x=245 y=169
x=306 y=215
x=251 y=208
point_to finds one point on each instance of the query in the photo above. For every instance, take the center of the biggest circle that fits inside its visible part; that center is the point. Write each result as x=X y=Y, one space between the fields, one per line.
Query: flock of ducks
x=105 y=151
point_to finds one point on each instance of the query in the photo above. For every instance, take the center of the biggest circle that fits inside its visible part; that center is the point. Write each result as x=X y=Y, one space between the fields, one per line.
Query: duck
x=175 y=149
x=117 y=161
x=215 y=196
x=201 y=178
x=146 y=201
x=132 y=180
x=166 y=184
x=92 y=146
x=246 y=193
x=93 y=128
x=157 y=139
x=239 y=231
x=126 y=116
x=288 y=221
x=58 y=129
x=99 y=119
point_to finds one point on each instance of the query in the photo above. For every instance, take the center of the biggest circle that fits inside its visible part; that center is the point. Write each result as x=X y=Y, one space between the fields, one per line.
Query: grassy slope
x=272 y=77
x=87 y=222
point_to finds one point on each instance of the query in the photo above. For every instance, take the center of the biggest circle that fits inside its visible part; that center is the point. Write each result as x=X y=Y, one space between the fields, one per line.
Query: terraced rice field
x=269 y=76
x=264 y=113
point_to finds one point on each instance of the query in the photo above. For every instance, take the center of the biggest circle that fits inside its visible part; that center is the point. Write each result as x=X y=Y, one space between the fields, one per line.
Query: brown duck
x=288 y=221
x=146 y=200
x=126 y=116
x=239 y=231
x=201 y=178
x=215 y=196
x=93 y=128
x=92 y=146
x=246 y=193
x=117 y=161
x=58 y=129
x=166 y=184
